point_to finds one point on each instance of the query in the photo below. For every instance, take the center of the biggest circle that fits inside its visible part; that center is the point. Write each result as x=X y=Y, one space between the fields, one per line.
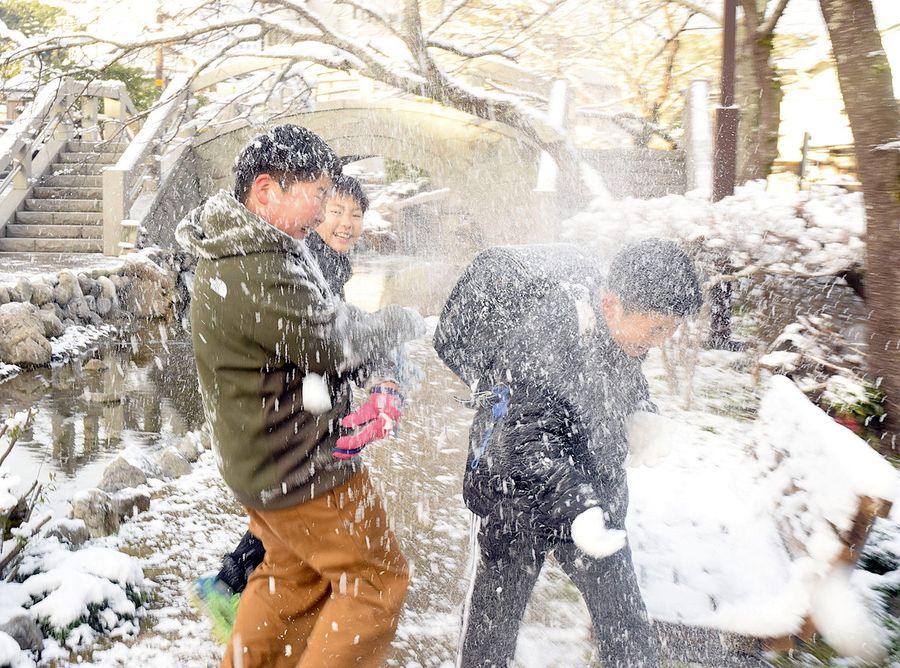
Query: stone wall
x=37 y=309
x=178 y=194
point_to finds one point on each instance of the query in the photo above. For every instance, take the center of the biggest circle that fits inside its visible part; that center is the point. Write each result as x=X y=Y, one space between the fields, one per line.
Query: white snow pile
x=77 y=340
x=747 y=539
x=75 y=596
x=8 y=371
x=811 y=232
x=11 y=655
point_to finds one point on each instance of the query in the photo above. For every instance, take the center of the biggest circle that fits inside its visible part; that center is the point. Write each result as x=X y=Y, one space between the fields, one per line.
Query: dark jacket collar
x=336 y=266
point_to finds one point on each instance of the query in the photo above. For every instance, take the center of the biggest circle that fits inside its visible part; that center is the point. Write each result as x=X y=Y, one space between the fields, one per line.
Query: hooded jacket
x=561 y=445
x=263 y=317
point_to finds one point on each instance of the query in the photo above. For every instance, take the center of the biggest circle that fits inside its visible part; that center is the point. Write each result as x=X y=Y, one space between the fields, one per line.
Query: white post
x=698 y=161
x=548 y=171
x=22 y=178
x=89 y=112
x=114 y=187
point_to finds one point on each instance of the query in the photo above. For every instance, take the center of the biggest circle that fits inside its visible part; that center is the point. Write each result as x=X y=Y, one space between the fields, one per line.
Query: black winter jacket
x=561 y=447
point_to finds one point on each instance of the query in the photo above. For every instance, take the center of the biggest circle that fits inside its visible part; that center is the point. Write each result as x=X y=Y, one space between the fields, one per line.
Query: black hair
x=347 y=185
x=287 y=153
x=655 y=275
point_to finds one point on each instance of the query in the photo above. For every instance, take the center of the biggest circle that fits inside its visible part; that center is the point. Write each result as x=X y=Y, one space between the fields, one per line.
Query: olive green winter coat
x=262 y=318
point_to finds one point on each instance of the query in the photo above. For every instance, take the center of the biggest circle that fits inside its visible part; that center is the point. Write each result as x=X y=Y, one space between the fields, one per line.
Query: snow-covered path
x=194 y=520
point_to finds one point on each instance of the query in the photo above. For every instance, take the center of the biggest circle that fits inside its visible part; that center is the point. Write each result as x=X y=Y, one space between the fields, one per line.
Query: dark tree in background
x=866 y=86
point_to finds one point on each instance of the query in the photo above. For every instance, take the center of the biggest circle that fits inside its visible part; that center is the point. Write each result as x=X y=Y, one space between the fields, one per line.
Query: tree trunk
x=759 y=97
x=865 y=78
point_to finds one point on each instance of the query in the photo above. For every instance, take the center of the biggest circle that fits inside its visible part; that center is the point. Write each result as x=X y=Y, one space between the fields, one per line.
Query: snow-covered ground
x=703 y=541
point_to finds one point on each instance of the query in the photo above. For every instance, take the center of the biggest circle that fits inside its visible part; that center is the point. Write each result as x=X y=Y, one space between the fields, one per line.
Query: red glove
x=378 y=415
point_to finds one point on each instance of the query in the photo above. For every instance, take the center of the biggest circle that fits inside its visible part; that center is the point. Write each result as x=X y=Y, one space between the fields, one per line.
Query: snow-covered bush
x=75 y=596
x=812 y=233
x=15 y=504
x=827 y=368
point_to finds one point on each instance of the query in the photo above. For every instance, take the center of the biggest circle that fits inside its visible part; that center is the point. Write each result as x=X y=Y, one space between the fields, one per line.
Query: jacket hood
x=223 y=227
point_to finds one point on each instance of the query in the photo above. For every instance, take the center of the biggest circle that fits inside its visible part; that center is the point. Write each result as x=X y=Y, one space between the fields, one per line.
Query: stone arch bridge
x=489 y=168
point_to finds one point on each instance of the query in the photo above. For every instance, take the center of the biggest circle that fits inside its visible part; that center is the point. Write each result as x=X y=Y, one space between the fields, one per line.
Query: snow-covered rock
x=121 y=474
x=173 y=465
x=96 y=508
x=11 y=654
x=189 y=447
x=22 y=338
x=25 y=631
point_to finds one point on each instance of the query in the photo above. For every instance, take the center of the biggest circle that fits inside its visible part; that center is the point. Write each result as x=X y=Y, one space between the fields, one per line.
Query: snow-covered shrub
x=814 y=233
x=827 y=368
x=14 y=506
x=76 y=596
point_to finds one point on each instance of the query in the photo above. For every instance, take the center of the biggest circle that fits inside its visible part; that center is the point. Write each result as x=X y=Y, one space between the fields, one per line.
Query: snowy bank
x=752 y=538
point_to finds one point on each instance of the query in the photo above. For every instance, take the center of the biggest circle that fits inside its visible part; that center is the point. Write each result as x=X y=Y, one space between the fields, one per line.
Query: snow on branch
x=454 y=48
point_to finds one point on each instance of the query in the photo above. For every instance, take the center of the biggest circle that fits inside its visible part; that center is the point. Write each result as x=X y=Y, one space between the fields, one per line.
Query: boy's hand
x=378 y=417
x=591 y=536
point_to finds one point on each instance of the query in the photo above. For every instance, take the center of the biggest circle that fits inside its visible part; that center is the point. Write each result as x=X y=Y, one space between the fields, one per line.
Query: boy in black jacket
x=546 y=466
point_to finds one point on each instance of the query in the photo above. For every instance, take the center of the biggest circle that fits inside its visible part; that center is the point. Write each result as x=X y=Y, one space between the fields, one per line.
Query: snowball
x=843 y=619
x=591 y=536
x=316 y=397
x=218 y=286
x=650 y=438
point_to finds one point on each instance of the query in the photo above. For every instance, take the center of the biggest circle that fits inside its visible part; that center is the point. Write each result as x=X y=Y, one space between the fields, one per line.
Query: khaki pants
x=330 y=589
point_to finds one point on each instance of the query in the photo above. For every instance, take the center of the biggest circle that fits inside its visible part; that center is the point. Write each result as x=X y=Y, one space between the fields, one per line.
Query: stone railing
x=124 y=181
x=33 y=142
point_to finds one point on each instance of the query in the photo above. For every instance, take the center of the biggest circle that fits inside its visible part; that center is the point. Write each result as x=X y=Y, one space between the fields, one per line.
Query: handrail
x=46 y=111
x=19 y=133
x=155 y=125
x=123 y=181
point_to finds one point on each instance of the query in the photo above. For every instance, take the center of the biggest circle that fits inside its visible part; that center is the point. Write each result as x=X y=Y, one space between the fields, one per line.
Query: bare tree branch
x=468 y=53
x=699 y=9
x=447 y=15
x=375 y=16
x=768 y=26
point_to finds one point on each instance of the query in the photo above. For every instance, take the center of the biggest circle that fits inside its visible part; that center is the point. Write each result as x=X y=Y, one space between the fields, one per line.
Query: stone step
x=77 y=146
x=77 y=169
x=16 y=231
x=51 y=245
x=88 y=158
x=73 y=181
x=58 y=218
x=58 y=192
x=68 y=205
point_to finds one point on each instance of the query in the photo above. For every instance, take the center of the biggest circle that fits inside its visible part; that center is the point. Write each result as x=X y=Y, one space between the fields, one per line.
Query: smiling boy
x=263 y=319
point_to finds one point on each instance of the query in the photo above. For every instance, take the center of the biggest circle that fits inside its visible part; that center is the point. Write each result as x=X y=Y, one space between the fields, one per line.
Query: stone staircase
x=65 y=211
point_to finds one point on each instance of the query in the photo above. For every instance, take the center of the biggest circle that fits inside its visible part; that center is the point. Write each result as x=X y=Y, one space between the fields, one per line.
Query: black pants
x=506 y=576
x=237 y=566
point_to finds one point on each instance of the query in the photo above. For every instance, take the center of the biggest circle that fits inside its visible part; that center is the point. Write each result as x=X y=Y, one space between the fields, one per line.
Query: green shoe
x=220 y=605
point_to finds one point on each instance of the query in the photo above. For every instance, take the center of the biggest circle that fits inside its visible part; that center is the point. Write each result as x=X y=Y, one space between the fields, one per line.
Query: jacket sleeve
x=295 y=322
x=541 y=444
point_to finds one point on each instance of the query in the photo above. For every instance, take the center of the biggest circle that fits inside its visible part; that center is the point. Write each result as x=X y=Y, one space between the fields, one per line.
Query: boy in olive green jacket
x=275 y=350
